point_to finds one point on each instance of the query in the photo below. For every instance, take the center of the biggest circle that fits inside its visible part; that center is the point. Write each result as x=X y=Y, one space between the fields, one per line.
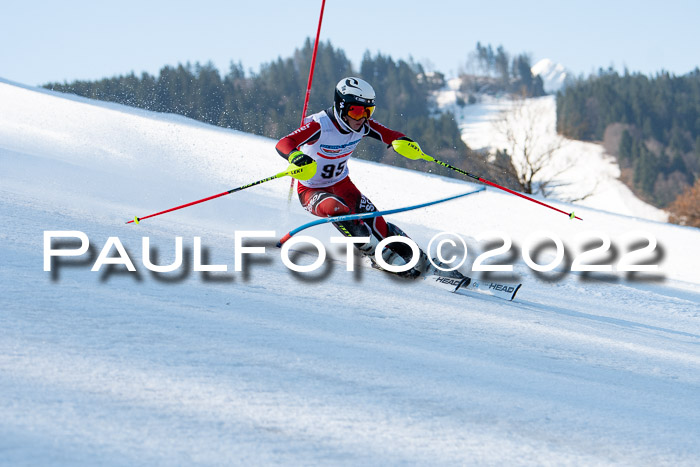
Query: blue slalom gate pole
x=369 y=215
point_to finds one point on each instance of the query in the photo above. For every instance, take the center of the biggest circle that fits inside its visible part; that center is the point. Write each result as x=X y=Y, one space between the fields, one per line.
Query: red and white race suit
x=331 y=192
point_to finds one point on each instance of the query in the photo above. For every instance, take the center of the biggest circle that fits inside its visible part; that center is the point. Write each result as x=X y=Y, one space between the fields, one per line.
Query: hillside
x=580 y=169
x=264 y=366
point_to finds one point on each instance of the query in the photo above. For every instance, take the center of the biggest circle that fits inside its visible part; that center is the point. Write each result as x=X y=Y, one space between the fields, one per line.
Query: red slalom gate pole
x=313 y=65
x=308 y=86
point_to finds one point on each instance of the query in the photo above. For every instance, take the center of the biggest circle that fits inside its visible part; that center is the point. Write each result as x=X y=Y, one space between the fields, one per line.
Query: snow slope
x=580 y=169
x=265 y=366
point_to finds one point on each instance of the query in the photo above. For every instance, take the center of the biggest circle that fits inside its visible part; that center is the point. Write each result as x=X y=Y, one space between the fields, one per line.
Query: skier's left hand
x=408 y=148
x=401 y=138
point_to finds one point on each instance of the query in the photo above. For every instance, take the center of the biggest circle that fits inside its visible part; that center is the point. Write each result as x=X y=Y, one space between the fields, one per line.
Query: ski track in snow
x=335 y=367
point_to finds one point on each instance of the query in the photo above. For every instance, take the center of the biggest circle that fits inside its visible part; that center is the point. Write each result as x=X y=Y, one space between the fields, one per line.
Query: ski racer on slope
x=329 y=138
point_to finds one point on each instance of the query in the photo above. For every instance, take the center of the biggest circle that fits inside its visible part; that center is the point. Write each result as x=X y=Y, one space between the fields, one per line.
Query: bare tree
x=531 y=148
x=685 y=210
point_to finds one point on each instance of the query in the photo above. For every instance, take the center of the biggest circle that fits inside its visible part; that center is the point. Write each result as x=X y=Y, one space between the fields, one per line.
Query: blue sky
x=56 y=41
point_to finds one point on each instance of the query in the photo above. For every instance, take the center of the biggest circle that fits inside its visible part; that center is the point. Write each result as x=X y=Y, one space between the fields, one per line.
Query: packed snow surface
x=333 y=367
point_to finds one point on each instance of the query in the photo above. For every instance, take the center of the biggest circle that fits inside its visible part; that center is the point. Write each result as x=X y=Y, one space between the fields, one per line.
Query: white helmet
x=353 y=91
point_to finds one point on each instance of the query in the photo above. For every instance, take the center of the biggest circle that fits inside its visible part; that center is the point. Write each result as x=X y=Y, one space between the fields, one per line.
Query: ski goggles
x=357 y=112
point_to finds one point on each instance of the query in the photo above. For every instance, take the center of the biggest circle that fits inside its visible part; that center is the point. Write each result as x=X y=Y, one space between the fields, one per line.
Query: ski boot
x=438 y=268
x=359 y=229
x=399 y=254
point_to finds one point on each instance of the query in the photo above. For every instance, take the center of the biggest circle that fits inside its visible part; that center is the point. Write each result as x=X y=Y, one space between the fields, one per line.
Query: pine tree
x=626 y=146
x=269 y=103
x=661 y=111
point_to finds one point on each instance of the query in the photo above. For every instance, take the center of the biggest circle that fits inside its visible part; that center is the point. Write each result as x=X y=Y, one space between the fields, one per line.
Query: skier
x=329 y=137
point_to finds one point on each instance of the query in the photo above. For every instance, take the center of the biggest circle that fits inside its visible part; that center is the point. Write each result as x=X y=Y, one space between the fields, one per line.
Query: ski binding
x=465 y=285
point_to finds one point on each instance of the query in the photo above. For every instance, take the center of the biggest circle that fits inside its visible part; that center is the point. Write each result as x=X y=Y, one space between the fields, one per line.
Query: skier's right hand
x=299 y=159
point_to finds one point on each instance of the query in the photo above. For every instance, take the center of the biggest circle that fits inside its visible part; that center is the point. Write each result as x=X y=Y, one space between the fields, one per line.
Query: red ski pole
x=304 y=173
x=411 y=150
